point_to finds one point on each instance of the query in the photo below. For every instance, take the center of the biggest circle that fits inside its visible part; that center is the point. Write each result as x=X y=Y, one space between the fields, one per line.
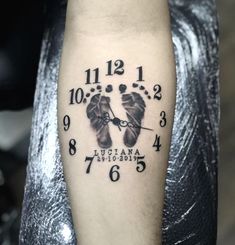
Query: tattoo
x=102 y=115
x=98 y=106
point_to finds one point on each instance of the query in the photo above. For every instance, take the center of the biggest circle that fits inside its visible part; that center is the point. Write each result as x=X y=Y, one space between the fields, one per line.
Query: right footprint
x=135 y=109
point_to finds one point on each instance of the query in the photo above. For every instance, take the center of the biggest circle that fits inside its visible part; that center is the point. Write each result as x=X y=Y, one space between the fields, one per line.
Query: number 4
x=157 y=143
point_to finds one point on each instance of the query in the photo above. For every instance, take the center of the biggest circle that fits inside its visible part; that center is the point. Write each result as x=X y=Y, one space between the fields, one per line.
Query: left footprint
x=98 y=106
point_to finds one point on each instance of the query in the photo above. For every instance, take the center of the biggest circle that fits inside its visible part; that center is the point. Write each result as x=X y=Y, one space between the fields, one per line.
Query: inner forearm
x=116 y=103
x=110 y=17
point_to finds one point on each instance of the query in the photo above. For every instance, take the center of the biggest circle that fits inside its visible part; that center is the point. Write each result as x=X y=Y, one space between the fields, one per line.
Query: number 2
x=157 y=89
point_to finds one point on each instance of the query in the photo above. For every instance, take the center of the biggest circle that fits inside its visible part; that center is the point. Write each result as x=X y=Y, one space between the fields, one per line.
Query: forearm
x=116 y=104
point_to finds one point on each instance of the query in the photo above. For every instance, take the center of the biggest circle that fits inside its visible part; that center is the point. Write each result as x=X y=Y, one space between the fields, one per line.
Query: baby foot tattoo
x=135 y=109
x=99 y=106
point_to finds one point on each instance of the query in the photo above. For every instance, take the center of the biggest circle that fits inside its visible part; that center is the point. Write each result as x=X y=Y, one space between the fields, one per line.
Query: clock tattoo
x=101 y=115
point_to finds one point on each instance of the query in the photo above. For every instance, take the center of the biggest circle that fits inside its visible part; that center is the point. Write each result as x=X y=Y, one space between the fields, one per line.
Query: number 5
x=141 y=164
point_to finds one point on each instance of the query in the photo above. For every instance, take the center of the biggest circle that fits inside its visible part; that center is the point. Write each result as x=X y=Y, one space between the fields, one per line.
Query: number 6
x=113 y=172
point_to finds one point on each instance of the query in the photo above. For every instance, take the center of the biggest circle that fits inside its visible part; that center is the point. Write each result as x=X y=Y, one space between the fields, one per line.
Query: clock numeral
x=72 y=147
x=140 y=164
x=157 y=143
x=163 y=120
x=114 y=175
x=96 y=76
x=76 y=96
x=140 y=74
x=157 y=89
x=119 y=70
x=90 y=160
x=66 y=122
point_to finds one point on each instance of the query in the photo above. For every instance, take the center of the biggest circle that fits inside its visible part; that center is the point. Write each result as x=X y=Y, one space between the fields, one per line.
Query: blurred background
x=19 y=54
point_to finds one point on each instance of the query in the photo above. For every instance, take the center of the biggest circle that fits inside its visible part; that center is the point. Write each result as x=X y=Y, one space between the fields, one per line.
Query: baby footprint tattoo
x=135 y=108
x=100 y=113
x=98 y=106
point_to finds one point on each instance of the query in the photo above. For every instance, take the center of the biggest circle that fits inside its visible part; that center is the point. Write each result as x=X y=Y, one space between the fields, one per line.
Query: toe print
x=135 y=108
x=142 y=89
x=109 y=88
x=97 y=90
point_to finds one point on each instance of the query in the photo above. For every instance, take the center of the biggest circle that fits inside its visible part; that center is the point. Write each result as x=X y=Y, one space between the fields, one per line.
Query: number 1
x=140 y=75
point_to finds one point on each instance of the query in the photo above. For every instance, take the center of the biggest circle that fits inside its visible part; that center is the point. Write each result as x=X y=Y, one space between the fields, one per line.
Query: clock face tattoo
x=102 y=115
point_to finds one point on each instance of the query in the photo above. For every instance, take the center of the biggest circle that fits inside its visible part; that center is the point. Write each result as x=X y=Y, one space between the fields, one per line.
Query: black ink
x=96 y=75
x=90 y=160
x=140 y=164
x=116 y=121
x=95 y=110
x=119 y=64
x=114 y=175
x=135 y=109
x=140 y=75
x=120 y=123
x=157 y=89
x=72 y=147
x=122 y=88
x=88 y=76
x=157 y=143
x=141 y=87
x=76 y=96
x=119 y=67
x=109 y=68
x=66 y=122
x=163 y=120
x=98 y=90
x=109 y=88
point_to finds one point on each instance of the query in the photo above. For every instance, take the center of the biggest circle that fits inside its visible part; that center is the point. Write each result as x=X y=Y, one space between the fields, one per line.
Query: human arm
x=115 y=140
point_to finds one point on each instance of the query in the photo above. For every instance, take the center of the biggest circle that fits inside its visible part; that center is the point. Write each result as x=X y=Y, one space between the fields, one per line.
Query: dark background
x=21 y=25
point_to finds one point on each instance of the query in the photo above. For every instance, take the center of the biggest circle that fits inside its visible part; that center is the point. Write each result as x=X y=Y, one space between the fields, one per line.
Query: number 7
x=90 y=159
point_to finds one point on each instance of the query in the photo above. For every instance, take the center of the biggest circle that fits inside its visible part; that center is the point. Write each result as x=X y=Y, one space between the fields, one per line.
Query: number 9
x=66 y=122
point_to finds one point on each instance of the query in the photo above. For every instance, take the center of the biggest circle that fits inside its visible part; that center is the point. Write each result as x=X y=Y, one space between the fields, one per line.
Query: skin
x=129 y=211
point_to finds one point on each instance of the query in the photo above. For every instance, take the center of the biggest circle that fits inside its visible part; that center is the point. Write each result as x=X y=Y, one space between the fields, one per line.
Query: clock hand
x=112 y=112
x=144 y=128
x=138 y=126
